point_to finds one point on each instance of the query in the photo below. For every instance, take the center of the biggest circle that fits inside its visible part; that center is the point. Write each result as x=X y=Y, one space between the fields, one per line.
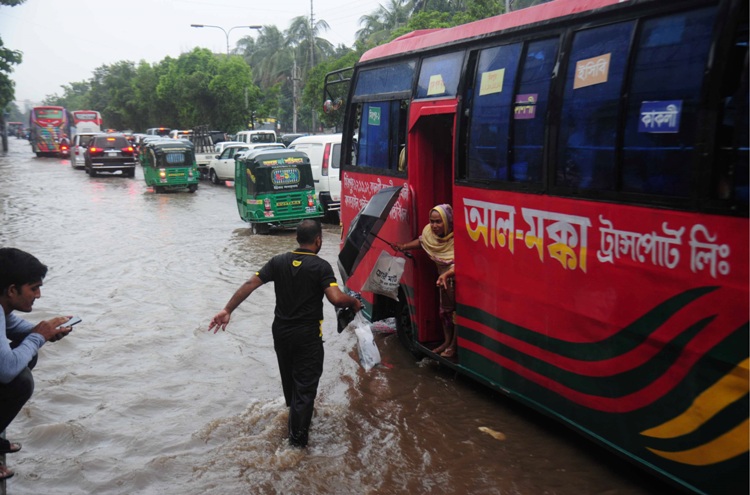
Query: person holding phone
x=21 y=277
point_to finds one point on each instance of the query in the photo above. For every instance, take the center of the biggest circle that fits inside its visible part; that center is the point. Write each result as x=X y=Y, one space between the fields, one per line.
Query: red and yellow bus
x=595 y=153
x=86 y=121
x=48 y=125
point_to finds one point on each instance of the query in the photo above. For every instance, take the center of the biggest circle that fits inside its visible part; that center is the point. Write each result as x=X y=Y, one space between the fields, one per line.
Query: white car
x=221 y=168
x=219 y=147
x=78 y=148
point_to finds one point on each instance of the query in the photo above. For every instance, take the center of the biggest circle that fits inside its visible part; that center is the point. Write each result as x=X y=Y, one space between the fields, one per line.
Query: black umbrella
x=364 y=228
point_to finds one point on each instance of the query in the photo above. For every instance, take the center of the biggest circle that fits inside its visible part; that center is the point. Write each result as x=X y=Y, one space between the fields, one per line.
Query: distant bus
x=86 y=121
x=48 y=125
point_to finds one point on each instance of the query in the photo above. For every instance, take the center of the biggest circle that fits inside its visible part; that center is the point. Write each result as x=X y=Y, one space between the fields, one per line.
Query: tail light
x=326 y=158
x=267 y=203
x=128 y=150
x=310 y=200
x=64 y=147
x=94 y=151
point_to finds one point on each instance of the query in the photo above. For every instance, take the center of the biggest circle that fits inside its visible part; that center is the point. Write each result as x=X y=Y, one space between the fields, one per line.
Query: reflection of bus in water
x=596 y=157
x=48 y=125
x=86 y=121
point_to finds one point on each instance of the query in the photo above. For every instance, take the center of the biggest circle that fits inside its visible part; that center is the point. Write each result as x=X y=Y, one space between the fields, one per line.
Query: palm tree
x=379 y=25
x=309 y=48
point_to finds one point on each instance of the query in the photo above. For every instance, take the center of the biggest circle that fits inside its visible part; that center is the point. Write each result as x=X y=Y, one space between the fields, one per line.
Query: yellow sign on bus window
x=437 y=86
x=592 y=71
x=492 y=82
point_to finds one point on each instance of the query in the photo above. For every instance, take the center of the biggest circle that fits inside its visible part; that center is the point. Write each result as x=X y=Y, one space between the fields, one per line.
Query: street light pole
x=226 y=33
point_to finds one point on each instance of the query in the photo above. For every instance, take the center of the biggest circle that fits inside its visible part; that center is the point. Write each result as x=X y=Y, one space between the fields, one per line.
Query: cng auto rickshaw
x=169 y=164
x=275 y=188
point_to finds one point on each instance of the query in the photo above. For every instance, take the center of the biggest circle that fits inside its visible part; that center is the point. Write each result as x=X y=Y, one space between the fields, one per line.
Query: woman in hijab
x=437 y=242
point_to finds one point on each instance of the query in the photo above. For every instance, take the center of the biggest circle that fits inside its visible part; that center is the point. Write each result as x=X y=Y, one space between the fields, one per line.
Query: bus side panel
x=629 y=324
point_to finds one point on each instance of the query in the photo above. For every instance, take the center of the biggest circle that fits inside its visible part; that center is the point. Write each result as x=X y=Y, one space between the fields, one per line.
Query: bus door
x=429 y=162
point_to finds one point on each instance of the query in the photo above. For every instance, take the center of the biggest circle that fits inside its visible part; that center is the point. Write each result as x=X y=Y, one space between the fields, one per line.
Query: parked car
x=324 y=151
x=109 y=153
x=78 y=148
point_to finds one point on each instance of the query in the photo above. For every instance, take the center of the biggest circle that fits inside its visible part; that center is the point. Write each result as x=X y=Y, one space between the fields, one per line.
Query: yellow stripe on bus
x=730 y=388
x=725 y=447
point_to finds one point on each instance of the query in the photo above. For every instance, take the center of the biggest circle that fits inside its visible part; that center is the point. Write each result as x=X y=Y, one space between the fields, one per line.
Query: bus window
x=664 y=93
x=382 y=134
x=491 y=112
x=439 y=75
x=530 y=111
x=731 y=174
x=389 y=79
x=588 y=128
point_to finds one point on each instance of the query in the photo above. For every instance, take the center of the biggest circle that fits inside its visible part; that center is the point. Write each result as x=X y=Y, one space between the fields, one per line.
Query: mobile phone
x=73 y=321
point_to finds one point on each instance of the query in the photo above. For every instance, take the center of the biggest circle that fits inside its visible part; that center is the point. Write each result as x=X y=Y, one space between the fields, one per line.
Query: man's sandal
x=7 y=447
x=5 y=473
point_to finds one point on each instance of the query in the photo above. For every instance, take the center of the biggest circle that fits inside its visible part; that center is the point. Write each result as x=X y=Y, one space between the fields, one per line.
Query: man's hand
x=219 y=321
x=48 y=328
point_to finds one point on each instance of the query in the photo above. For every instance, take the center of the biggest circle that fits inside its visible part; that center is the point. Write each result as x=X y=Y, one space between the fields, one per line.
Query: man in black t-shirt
x=301 y=279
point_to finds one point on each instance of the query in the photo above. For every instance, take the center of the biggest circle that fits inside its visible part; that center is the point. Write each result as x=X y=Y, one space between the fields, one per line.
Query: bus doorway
x=430 y=165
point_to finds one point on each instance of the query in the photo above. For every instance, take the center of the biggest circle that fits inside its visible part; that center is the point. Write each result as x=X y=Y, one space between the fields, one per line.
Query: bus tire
x=404 y=328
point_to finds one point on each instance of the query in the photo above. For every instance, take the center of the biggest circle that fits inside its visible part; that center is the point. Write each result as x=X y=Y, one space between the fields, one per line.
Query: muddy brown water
x=141 y=399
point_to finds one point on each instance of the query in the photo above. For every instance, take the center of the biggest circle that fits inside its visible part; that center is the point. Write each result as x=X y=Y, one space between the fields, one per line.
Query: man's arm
x=341 y=300
x=221 y=320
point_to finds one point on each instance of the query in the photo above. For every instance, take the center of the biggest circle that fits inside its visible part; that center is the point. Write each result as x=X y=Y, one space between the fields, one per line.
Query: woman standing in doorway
x=437 y=242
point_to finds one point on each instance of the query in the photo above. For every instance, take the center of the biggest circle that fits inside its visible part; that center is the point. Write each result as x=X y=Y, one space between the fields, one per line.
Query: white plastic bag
x=385 y=276
x=369 y=356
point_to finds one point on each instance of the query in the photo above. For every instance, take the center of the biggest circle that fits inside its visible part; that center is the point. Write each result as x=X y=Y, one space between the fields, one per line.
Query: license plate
x=112 y=153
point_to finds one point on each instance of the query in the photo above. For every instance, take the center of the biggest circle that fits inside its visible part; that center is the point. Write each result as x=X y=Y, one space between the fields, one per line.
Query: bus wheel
x=404 y=328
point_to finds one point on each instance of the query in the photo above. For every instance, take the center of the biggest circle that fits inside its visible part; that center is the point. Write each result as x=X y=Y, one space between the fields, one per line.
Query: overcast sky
x=63 y=41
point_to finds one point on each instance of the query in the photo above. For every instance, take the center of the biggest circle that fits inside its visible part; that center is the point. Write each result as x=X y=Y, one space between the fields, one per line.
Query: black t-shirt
x=300 y=280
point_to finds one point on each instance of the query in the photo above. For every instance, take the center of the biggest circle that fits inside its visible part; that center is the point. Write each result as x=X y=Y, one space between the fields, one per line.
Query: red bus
x=48 y=125
x=86 y=121
x=595 y=154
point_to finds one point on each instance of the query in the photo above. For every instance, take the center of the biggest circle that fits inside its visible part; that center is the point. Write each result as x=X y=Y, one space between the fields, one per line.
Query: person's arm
x=221 y=320
x=336 y=297
x=414 y=244
x=442 y=280
x=29 y=338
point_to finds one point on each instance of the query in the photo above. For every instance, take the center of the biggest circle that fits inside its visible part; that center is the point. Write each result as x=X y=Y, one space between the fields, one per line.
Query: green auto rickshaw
x=275 y=188
x=169 y=164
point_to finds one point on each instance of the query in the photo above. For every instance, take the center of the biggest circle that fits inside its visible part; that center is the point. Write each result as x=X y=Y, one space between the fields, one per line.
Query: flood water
x=139 y=398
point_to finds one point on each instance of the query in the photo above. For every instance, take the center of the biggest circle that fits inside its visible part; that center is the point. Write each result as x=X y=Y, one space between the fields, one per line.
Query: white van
x=324 y=151
x=78 y=147
x=254 y=137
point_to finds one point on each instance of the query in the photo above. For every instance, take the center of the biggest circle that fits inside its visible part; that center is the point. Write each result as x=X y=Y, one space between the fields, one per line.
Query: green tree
x=74 y=97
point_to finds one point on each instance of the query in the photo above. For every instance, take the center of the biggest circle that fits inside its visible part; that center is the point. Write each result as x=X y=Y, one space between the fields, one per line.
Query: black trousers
x=15 y=394
x=299 y=351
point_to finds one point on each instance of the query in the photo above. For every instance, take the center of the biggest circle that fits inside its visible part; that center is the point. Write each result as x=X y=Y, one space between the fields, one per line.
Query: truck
x=204 y=148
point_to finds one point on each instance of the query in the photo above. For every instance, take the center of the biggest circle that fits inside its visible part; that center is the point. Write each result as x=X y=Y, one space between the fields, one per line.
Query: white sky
x=63 y=41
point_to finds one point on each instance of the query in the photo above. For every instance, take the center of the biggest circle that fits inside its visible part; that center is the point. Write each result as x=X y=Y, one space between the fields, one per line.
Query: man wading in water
x=301 y=279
